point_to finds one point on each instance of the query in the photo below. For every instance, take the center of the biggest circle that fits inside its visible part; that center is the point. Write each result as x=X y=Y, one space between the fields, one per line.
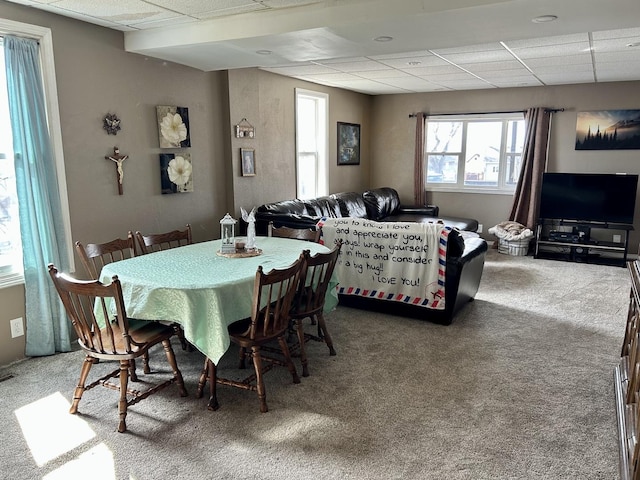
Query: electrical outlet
x=17 y=329
x=479 y=228
x=617 y=239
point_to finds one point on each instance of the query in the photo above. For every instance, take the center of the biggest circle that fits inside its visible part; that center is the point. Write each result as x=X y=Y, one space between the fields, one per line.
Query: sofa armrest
x=429 y=210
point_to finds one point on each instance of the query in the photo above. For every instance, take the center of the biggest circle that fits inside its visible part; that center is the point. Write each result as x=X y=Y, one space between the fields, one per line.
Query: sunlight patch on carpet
x=50 y=430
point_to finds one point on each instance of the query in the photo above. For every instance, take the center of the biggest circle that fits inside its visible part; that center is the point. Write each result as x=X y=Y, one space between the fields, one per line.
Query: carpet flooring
x=520 y=386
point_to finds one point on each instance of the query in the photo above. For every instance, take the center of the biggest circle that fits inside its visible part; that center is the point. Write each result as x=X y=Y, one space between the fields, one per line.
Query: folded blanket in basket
x=397 y=261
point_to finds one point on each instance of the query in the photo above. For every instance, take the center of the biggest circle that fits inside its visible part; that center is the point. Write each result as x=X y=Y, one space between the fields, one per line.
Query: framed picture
x=176 y=173
x=608 y=130
x=173 y=126
x=248 y=162
x=348 y=143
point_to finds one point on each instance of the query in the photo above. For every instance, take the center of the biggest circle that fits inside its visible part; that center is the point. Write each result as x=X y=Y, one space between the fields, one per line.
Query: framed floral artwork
x=348 y=143
x=176 y=173
x=173 y=126
x=248 y=162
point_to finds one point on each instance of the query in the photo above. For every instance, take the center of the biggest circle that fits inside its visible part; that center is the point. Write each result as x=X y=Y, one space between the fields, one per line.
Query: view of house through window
x=311 y=144
x=10 y=245
x=480 y=153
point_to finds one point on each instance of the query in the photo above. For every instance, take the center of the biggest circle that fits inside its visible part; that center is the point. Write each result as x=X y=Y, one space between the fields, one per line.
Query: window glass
x=10 y=244
x=482 y=153
x=311 y=144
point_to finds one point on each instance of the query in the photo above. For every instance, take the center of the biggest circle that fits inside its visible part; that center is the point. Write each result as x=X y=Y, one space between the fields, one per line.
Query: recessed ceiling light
x=383 y=38
x=544 y=18
x=264 y=52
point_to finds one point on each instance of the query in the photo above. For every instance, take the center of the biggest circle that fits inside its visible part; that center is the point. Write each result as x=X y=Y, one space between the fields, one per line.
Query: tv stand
x=582 y=241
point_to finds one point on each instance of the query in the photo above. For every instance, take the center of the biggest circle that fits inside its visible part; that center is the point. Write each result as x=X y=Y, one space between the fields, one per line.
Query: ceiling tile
x=189 y=7
x=564 y=78
x=445 y=69
x=479 y=57
x=631 y=55
x=493 y=66
x=359 y=66
x=382 y=74
x=122 y=11
x=621 y=33
x=404 y=62
x=559 y=50
x=582 y=59
x=548 y=41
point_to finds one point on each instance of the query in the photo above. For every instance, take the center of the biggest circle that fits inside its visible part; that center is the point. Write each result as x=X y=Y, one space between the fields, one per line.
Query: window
x=311 y=144
x=480 y=153
x=10 y=243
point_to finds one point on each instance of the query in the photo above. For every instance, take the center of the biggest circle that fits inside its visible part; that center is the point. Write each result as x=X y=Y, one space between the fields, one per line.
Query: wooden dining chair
x=154 y=242
x=308 y=234
x=310 y=297
x=273 y=293
x=118 y=338
x=94 y=256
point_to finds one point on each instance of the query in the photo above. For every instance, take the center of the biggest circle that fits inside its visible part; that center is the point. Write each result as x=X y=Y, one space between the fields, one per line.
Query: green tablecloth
x=200 y=290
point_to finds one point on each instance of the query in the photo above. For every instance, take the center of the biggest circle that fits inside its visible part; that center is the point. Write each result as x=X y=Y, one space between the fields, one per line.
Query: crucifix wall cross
x=118 y=160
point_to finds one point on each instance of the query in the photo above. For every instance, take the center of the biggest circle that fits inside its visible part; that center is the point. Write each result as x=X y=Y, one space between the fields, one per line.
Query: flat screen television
x=589 y=197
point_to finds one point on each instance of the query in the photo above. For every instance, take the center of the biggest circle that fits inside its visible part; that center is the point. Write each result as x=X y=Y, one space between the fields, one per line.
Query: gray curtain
x=534 y=160
x=419 y=194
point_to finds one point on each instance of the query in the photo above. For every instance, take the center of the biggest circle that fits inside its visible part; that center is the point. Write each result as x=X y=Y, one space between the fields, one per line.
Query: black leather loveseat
x=465 y=251
x=380 y=205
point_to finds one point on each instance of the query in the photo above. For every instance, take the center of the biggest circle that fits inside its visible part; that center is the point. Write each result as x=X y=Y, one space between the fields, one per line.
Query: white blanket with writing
x=397 y=261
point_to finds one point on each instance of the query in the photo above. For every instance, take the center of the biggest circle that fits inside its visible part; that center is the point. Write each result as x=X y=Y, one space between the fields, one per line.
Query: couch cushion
x=351 y=204
x=323 y=207
x=296 y=206
x=381 y=202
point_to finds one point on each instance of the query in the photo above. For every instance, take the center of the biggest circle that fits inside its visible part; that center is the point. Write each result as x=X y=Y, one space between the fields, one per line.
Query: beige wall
x=267 y=101
x=394 y=133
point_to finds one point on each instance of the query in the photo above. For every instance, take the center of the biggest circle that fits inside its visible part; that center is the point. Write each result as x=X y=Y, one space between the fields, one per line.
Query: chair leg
x=122 y=404
x=203 y=378
x=322 y=327
x=287 y=357
x=132 y=370
x=180 y=335
x=145 y=363
x=257 y=364
x=177 y=375
x=213 y=382
x=303 y=351
x=243 y=356
x=84 y=373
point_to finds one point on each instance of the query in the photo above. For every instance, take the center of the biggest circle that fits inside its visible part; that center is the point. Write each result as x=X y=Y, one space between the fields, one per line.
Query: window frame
x=44 y=37
x=322 y=143
x=502 y=188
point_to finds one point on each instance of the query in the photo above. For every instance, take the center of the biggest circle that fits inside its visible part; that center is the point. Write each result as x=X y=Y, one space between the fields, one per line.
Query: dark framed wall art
x=348 y=143
x=608 y=130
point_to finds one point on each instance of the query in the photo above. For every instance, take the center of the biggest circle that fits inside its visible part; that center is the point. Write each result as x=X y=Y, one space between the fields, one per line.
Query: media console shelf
x=578 y=241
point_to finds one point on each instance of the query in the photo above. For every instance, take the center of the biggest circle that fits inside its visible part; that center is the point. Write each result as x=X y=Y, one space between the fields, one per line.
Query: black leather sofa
x=465 y=252
x=380 y=205
x=465 y=262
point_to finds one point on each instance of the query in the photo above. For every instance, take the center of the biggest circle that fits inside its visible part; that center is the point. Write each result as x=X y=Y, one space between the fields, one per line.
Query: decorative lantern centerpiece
x=228 y=224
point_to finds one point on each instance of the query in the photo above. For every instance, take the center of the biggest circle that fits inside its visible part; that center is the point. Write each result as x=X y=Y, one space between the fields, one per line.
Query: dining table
x=201 y=289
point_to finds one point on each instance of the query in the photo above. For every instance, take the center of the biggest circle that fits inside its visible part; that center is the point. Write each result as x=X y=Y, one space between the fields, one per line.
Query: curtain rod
x=413 y=115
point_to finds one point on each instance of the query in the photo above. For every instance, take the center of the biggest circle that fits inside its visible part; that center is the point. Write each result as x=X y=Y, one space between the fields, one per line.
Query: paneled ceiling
x=383 y=46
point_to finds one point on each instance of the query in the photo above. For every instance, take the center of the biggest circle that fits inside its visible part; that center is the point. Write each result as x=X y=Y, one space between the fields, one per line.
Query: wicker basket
x=516 y=248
